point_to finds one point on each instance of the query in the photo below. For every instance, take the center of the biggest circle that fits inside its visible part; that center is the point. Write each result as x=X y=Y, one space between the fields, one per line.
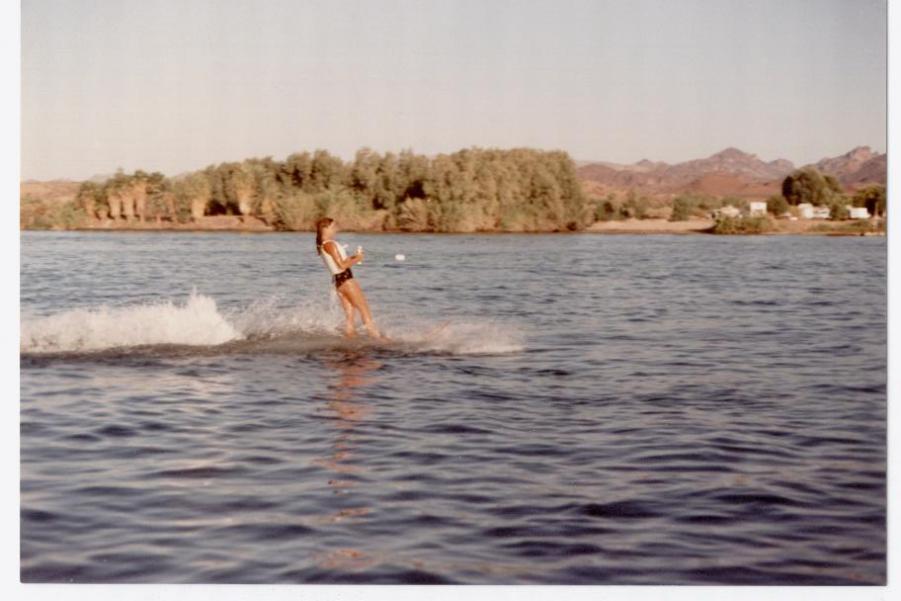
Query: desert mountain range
x=730 y=172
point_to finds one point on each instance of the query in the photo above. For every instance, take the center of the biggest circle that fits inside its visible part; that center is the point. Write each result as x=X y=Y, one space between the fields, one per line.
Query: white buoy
x=399 y=257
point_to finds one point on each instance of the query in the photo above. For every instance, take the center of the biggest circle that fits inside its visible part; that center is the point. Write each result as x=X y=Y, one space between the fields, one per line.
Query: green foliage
x=90 y=198
x=239 y=188
x=33 y=214
x=414 y=216
x=705 y=203
x=296 y=211
x=635 y=205
x=36 y=214
x=832 y=183
x=193 y=194
x=838 y=211
x=809 y=185
x=474 y=189
x=871 y=197
x=607 y=208
x=326 y=172
x=776 y=205
x=69 y=216
x=683 y=208
x=340 y=204
x=690 y=205
x=745 y=224
x=854 y=227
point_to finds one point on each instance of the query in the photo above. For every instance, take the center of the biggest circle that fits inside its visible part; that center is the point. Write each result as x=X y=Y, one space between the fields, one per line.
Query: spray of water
x=199 y=322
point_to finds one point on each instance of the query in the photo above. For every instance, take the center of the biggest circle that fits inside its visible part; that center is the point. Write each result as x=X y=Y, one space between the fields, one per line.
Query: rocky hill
x=858 y=166
x=730 y=172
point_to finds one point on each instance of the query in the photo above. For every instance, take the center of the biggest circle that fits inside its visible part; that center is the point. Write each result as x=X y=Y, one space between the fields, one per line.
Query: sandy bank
x=651 y=226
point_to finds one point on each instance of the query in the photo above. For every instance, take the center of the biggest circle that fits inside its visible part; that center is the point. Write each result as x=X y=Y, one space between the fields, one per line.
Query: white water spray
x=198 y=321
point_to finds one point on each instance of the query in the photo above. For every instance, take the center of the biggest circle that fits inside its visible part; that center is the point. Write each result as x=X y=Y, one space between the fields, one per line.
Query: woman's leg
x=356 y=296
x=348 y=307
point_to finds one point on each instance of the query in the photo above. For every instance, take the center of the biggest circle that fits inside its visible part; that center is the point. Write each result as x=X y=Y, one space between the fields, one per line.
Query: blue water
x=554 y=409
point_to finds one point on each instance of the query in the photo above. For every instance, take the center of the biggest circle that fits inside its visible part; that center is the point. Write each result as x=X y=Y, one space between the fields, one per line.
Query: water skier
x=339 y=264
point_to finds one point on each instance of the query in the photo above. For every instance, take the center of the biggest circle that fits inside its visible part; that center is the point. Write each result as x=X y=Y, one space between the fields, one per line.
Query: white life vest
x=329 y=261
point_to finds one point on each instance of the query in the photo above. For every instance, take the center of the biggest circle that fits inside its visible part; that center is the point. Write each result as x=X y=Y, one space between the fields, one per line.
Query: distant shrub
x=745 y=224
x=706 y=203
x=70 y=216
x=606 y=209
x=683 y=208
x=33 y=214
x=777 y=205
x=36 y=214
x=838 y=211
x=635 y=206
x=871 y=197
x=809 y=185
x=686 y=206
x=856 y=227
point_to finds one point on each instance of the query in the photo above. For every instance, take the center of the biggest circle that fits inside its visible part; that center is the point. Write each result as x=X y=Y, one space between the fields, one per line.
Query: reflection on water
x=353 y=370
x=353 y=373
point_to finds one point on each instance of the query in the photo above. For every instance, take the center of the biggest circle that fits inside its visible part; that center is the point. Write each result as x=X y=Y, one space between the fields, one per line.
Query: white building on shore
x=858 y=212
x=756 y=207
x=808 y=211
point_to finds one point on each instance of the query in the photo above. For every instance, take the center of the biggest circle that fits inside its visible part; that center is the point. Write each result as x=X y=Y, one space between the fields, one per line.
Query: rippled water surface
x=574 y=409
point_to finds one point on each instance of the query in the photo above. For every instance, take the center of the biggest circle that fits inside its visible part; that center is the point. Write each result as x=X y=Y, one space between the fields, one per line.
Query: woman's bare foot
x=373 y=330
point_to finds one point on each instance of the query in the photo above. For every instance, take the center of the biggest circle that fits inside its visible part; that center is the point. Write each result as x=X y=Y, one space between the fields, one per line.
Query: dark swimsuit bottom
x=342 y=277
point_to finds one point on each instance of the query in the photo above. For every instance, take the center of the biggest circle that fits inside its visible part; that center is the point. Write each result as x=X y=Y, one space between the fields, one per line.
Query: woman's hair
x=321 y=225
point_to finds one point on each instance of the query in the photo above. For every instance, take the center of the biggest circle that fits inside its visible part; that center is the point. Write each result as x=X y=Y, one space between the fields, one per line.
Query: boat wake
x=198 y=326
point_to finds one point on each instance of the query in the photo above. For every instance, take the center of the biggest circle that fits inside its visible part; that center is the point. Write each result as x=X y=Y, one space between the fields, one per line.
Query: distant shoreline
x=621 y=227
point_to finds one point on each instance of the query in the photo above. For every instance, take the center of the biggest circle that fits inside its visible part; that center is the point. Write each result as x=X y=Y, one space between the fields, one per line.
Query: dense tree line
x=470 y=190
x=808 y=185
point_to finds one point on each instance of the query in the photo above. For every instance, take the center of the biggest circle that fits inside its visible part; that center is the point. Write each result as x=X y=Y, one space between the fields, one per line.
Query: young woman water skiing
x=338 y=264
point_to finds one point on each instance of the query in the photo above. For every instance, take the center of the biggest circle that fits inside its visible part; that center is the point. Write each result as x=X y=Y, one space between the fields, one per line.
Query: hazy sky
x=177 y=85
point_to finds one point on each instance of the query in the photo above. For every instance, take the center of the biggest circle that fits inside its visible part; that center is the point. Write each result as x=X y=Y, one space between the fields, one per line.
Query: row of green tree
x=808 y=185
x=474 y=189
x=633 y=205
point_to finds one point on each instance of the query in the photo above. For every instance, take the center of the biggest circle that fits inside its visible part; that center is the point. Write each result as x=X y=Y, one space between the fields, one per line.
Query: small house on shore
x=808 y=211
x=756 y=207
x=858 y=212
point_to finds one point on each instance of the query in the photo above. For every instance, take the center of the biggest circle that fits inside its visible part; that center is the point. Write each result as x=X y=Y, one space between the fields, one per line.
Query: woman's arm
x=342 y=263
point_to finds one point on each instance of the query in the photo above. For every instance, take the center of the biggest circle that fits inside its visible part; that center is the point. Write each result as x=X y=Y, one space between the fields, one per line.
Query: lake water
x=597 y=410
